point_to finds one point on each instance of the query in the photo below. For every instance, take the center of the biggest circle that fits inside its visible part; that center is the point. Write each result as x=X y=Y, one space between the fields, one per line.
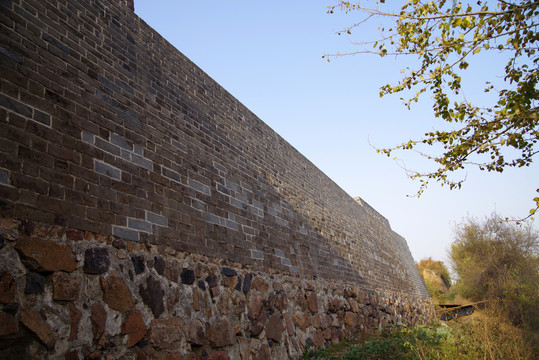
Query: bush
x=498 y=261
x=473 y=338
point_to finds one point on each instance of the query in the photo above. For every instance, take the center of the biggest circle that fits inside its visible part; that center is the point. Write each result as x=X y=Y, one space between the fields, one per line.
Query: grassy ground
x=473 y=337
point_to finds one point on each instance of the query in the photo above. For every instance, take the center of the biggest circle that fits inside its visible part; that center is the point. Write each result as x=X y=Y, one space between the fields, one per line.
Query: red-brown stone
x=217 y=356
x=98 y=319
x=318 y=338
x=255 y=306
x=8 y=325
x=289 y=324
x=75 y=315
x=312 y=302
x=66 y=287
x=134 y=326
x=195 y=332
x=301 y=320
x=350 y=318
x=274 y=328
x=260 y=284
x=45 y=256
x=264 y=353
x=8 y=288
x=171 y=356
x=220 y=334
x=335 y=305
x=116 y=293
x=165 y=333
x=39 y=327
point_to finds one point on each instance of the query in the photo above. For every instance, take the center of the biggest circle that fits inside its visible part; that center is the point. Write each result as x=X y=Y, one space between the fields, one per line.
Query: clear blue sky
x=268 y=54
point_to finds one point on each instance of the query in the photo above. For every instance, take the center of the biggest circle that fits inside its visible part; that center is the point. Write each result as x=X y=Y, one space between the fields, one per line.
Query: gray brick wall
x=107 y=128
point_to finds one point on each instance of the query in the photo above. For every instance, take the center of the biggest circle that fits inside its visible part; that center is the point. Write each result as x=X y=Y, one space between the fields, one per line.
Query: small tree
x=499 y=261
x=443 y=35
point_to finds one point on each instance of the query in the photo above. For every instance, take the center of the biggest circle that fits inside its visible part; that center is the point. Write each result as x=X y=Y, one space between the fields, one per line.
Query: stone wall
x=120 y=154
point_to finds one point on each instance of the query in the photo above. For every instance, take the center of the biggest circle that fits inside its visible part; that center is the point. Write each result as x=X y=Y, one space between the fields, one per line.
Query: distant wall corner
x=129 y=3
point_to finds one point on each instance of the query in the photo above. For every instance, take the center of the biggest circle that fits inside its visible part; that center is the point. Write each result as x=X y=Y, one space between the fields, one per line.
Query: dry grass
x=484 y=336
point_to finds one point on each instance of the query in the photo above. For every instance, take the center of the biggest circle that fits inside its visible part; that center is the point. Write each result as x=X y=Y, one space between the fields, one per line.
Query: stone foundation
x=78 y=295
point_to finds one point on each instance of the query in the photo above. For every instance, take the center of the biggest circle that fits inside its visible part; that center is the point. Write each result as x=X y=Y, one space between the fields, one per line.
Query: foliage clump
x=498 y=261
x=444 y=36
x=465 y=339
x=437 y=279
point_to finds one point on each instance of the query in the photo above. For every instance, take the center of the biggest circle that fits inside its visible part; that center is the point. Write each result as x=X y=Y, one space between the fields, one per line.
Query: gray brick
x=137 y=149
x=139 y=160
x=242 y=197
x=256 y=211
x=178 y=145
x=248 y=230
x=213 y=219
x=171 y=174
x=126 y=155
x=107 y=147
x=107 y=170
x=198 y=186
x=55 y=42
x=15 y=106
x=232 y=185
x=4 y=177
x=219 y=167
x=223 y=190
x=286 y=262
x=131 y=117
x=237 y=203
x=231 y=224
x=246 y=186
x=124 y=86
x=198 y=205
x=42 y=117
x=138 y=224
x=120 y=141
x=278 y=253
x=258 y=255
x=87 y=137
x=126 y=234
x=11 y=55
x=282 y=222
x=156 y=219
x=258 y=204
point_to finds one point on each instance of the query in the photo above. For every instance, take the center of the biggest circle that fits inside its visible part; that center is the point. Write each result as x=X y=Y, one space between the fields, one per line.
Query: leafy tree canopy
x=444 y=35
x=499 y=261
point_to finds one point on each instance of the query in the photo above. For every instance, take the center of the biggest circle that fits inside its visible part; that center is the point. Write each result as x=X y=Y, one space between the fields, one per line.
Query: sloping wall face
x=138 y=196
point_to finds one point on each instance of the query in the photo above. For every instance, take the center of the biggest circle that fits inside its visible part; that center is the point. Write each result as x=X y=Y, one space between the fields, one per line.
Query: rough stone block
x=116 y=293
x=39 y=327
x=45 y=256
x=66 y=287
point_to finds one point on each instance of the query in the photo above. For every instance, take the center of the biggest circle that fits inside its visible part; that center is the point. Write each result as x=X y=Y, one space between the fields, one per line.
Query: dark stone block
x=212 y=281
x=96 y=261
x=12 y=56
x=238 y=285
x=159 y=265
x=138 y=264
x=229 y=272
x=153 y=295
x=201 y=284
x=35 y=283
x=11 y=308
x=247 y=283
x=188 y=276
